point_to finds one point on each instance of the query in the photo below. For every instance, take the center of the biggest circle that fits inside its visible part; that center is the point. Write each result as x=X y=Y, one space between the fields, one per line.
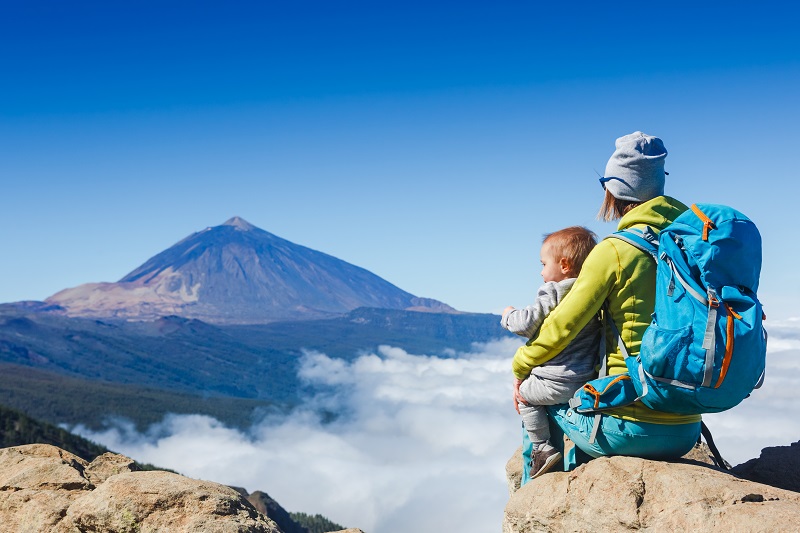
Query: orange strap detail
x=729 y=330
x=591 y=390
x=707 y=224
x=618 y=378
x=736 y=315
x=594 y=392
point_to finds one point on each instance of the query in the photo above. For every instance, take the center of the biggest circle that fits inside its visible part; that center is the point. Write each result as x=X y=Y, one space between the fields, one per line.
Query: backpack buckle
x=713 y=300
x=649 y=235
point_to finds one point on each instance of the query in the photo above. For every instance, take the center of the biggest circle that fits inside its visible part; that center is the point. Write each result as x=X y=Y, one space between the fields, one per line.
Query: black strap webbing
x=711 y=446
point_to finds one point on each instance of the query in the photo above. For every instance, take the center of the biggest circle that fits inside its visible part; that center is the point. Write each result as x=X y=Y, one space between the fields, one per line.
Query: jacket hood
x=656 y=213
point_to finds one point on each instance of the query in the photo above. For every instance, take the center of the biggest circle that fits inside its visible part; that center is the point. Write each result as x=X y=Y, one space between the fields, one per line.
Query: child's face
x=553 y=268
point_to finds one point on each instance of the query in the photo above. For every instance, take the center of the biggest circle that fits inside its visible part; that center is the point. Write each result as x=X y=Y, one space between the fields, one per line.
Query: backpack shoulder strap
x=608 y=321
x=645 y=239
x=603 y=372
x=622 y=348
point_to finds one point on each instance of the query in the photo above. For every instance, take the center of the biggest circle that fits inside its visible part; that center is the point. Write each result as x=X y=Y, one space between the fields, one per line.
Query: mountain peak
x=240 y=276
x=239 y=223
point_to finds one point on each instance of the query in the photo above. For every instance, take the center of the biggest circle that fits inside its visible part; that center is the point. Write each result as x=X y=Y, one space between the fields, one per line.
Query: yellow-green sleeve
x=599 y=273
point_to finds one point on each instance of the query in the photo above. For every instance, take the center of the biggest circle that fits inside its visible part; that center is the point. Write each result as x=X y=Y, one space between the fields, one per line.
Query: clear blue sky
x=432 y=143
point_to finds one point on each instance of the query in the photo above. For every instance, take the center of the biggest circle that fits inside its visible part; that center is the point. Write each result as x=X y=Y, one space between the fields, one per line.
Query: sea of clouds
x=420 y=443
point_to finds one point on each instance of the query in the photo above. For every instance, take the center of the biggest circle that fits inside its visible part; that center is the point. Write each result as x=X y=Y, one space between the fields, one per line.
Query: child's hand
x=518 y=399
x=508 y=310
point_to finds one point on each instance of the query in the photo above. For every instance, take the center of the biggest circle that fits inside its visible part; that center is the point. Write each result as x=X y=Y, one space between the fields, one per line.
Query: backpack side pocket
x=605 y=393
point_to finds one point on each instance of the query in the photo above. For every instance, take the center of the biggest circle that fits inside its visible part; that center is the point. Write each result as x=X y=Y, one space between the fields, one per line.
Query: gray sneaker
x=543 y=460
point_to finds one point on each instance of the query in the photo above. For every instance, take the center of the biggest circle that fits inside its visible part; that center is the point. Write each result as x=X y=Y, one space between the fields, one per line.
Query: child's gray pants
x=540 y=392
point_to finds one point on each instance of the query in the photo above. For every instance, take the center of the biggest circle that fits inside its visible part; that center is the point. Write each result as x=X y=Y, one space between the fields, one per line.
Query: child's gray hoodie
x=577 y=361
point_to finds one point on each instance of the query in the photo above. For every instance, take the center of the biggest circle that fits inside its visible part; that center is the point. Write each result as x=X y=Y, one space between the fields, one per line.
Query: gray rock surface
x=46 y=489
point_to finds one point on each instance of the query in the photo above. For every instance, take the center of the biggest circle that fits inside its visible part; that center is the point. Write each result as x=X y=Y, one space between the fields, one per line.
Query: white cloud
x=783 y=344
x=421 y=442
x=770 y=416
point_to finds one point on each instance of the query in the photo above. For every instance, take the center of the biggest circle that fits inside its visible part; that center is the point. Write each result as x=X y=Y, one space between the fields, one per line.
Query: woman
x=619 y=273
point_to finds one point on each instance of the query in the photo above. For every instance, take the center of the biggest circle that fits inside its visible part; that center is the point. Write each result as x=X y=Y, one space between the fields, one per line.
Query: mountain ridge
x=143 y=369
x=237 y=273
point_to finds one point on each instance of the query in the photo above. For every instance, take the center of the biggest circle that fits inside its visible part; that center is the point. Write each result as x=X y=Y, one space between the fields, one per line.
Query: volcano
x=236 y=273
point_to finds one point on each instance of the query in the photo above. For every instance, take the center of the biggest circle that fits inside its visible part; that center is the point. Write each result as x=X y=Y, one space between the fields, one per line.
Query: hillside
x=78 y=370
x=16 y=428
x=59 y=399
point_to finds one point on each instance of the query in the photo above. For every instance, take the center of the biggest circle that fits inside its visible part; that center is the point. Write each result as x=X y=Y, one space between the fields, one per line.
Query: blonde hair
x=613 y=208
x=573 y=244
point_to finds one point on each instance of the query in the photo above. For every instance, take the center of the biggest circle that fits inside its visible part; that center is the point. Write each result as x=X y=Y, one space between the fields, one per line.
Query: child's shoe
x=542 y=460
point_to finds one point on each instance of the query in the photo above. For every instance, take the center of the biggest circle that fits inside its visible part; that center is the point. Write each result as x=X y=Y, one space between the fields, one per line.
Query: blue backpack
x=705 y=350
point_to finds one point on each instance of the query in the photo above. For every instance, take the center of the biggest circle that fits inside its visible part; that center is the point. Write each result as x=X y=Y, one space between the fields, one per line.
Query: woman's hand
x=518 y=399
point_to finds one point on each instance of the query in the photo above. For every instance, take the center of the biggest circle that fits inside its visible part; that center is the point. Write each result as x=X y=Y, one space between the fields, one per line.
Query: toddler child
x=556 y=380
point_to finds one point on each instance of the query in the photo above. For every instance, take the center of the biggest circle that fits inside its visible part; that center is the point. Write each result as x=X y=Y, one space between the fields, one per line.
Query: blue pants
x=615 y=437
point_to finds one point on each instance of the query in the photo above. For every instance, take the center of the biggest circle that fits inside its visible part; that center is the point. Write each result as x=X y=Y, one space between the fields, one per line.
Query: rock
x=163 y=501
x=699 y=454
x=38 y=482
x=267 y=506
x=778 y=466
x=107 y=465
x=702 y=454
x=619 y=493
x=46 y=489
x=514 y=471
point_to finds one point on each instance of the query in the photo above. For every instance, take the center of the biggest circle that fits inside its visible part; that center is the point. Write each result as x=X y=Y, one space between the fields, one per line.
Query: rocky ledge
x=46 y=489
x=631 y=494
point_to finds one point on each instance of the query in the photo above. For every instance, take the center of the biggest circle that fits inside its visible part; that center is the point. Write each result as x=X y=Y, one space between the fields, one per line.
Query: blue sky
x=430 y=144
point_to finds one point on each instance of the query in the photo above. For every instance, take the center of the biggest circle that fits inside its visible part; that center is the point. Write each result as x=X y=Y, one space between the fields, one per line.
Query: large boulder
x=700 y=453
x=38 y=482
x=628 y=493
x=46 y=489
x=778 y=466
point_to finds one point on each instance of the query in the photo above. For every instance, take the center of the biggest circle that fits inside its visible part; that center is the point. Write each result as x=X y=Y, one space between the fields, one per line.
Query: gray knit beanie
x=635 y=171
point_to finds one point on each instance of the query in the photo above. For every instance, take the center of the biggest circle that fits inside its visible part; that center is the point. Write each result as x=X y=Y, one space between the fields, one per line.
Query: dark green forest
x=59 y=399
x=17 y=429
x=315 y=523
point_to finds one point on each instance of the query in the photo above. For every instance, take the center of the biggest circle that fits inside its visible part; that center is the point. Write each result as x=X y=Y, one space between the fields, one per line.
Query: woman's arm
x=598 y=276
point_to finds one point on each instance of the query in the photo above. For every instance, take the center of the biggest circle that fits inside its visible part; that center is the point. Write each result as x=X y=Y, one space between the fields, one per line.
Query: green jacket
x=624 y=275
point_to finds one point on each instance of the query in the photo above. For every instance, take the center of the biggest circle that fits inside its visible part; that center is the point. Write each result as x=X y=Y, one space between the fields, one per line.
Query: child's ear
x=565 y=266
